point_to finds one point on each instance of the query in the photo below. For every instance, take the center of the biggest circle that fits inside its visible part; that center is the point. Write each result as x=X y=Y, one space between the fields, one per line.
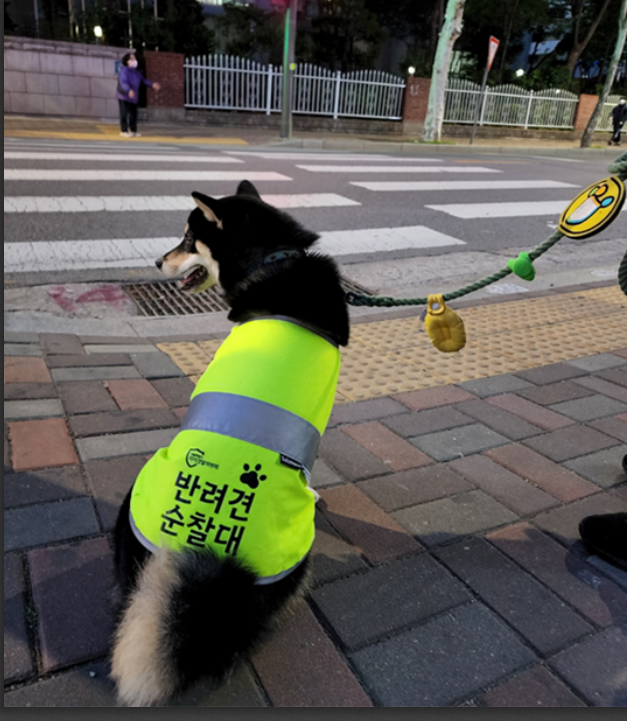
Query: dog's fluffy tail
x=190 y=615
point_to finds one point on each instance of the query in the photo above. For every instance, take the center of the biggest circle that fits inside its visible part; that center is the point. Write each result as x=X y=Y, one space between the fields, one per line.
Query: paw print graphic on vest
x=251 y=478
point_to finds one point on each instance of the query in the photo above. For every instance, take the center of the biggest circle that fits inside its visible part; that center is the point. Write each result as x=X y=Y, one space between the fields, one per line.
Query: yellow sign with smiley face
x=593 y=209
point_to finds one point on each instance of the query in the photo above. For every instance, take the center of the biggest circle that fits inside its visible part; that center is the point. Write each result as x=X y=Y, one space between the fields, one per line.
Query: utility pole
x=492 y=48
x=36 y=14
x=288 y=67
x=130 y=24
x=70 y=7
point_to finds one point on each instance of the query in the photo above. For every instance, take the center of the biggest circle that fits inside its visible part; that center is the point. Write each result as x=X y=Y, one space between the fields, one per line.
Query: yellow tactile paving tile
x=473 y=361
x=371 y=374
x=529 y=314
x=189 y=357
x=209 y=347
x=386 y=334
x=393 y=356
x=611 y=294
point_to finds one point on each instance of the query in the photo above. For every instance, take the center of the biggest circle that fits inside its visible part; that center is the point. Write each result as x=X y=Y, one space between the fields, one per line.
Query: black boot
x=606 y=534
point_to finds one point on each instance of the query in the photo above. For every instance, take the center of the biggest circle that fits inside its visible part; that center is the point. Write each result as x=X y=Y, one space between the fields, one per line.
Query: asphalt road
x=448 y=237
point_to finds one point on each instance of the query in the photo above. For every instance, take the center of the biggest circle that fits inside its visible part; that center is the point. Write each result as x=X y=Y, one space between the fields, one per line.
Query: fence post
x=269 y=93
x=528 y=110
x=336 y=99
x=484 y=102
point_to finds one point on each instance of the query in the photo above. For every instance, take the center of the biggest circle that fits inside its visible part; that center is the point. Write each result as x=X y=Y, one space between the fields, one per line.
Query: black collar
x=274 y=257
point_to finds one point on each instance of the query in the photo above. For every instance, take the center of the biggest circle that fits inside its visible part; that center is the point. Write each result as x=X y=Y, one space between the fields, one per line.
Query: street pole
x=478 y=104
x=70 y=7
x=493 y=46
x=288 y=68
x=130 y=24
x=36 y=14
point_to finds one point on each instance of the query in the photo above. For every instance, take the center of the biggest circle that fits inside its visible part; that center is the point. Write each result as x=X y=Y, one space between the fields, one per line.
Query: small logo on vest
x=196 y=457
x=251 y=478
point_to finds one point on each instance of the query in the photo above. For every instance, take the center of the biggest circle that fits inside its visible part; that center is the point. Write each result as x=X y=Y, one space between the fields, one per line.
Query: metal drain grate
x=167 y=298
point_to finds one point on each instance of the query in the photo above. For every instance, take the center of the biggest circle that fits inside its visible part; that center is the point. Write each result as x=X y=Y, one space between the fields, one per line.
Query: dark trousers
x=616 y=135
x=128 y=116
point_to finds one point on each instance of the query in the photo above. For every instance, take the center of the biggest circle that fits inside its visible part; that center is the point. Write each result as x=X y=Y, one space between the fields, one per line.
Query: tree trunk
x=451 y=30
x=586 y=138
x=509 y=24
x=436 y=25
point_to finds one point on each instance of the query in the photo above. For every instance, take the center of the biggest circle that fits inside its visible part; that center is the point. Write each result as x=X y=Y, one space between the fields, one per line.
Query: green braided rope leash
x=618 y=167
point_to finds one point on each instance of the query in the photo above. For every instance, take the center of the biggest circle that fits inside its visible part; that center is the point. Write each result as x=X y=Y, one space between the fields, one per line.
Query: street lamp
x=520 y=72
x=411 y=70
x=98 y=31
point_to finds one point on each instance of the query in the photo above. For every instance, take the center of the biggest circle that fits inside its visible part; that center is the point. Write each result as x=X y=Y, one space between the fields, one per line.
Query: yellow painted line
x=55 y=135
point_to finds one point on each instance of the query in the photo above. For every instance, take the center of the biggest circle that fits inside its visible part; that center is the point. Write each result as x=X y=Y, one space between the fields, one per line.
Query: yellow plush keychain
x=444 y=326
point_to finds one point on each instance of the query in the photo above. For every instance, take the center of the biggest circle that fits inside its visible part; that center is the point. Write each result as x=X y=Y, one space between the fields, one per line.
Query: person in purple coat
x=129 y=82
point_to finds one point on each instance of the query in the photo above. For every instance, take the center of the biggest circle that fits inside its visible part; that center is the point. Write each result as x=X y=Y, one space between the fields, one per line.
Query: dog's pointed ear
x=247 y=188
x=209 y=207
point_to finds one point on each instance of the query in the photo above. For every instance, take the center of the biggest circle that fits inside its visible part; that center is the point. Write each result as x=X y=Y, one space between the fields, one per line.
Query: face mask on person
x=132 y=63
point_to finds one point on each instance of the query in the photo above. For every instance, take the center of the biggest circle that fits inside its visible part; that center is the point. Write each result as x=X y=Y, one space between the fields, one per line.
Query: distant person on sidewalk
x=129 y=82
x=619 y=116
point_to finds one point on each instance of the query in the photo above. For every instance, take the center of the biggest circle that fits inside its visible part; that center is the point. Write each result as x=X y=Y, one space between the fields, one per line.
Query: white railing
x=509 y=105
x=605 y=121
x=223 y=82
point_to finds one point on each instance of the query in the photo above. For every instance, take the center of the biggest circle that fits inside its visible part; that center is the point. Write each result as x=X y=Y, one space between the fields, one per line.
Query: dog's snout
x=159 y=263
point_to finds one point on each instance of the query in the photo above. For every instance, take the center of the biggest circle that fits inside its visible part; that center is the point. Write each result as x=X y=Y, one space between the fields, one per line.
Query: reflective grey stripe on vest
x=256 y=422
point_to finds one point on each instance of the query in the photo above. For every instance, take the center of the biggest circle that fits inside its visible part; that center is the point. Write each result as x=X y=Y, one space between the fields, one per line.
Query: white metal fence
x=225 y=82
x=509 y=105
x=605 y=122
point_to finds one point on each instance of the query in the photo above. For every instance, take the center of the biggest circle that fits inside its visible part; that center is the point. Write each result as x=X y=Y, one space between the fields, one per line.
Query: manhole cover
x=167 y=298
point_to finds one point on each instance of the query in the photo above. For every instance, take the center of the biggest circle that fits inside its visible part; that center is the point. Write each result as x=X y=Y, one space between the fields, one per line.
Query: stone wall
x=243 y=119
x=49 y=77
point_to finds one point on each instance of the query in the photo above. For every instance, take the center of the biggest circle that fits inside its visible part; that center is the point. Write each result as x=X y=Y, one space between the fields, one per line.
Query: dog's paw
x=252 y=478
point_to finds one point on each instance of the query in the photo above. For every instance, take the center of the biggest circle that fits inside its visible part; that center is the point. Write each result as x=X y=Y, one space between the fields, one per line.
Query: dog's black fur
x=214 y=613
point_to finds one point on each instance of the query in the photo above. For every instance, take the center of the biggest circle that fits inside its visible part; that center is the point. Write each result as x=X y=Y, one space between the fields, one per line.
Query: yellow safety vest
x=235 y=478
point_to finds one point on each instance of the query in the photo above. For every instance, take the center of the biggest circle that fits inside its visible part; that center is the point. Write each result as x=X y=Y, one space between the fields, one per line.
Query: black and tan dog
x=199 y=589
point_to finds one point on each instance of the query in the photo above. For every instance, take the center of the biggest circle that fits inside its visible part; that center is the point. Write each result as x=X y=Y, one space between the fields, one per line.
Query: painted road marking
x=85 y=254
x=327 y=156
x=371 y=240
x=146 y=175
x=396 y=169
x=116 y=157
x=66 y=255
x=440 y=185
x=504 y=210
x=143 y=203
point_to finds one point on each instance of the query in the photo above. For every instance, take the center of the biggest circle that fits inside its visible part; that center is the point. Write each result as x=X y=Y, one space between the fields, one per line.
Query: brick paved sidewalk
x=447 y=564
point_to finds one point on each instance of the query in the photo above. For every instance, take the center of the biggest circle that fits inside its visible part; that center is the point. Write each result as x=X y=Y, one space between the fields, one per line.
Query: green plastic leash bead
x=522 y=266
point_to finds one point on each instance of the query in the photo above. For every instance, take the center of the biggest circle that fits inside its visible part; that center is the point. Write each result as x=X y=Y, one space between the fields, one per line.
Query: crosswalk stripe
x=147 y=175
x=503 y=210
x=440 y=185
x=371 y=240
x=85 y=254
x=121 y=157
x=141 y=252
x=144 y=203
x=327 y=156
x=396 y=169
